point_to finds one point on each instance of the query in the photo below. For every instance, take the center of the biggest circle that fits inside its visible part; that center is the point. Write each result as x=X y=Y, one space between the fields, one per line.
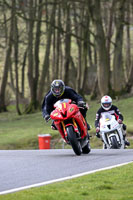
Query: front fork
x=74 y=124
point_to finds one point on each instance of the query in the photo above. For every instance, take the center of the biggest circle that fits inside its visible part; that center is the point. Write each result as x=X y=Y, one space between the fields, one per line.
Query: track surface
x=19 y=168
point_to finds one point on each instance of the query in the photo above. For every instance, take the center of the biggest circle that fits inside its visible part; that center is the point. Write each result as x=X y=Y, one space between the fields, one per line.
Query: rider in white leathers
x=106 y=106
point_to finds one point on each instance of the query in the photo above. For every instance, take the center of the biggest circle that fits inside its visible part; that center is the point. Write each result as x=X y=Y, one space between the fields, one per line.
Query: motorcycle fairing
x=108 y=123
x=66 y=111
x=109 y=127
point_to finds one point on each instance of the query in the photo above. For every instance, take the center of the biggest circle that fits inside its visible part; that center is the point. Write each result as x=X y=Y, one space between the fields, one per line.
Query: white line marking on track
x=61 y=179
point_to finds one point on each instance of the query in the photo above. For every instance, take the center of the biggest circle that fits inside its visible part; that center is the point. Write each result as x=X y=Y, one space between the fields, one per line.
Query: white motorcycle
x=111 y=132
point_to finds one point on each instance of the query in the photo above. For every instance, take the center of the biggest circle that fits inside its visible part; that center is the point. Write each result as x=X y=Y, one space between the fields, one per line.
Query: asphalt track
x=23 y=168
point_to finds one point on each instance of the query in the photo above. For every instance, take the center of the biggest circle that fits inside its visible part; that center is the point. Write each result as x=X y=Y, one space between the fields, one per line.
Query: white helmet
x=106 y=102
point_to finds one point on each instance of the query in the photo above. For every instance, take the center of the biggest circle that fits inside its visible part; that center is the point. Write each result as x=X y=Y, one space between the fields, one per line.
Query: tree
x=33 y=57
x=16 y=42
x=67 y=44
x=117 y=74
x=45 y=66
x=6 y=65
x=85 y=43
x=103 y=65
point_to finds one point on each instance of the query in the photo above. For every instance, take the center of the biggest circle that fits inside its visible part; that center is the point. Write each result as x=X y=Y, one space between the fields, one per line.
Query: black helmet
x=57 y=88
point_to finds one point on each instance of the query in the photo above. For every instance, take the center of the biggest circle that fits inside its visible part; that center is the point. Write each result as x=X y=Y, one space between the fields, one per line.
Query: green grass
x=21 y=132
x=114 y=184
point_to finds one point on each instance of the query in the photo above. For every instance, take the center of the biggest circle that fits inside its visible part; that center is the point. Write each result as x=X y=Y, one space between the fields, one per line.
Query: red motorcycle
x=71 y=124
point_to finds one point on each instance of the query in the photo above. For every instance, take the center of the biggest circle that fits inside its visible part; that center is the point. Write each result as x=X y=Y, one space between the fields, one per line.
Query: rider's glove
x=97 y=129
x=81 y=104
x=119 y=121
x=47 y=118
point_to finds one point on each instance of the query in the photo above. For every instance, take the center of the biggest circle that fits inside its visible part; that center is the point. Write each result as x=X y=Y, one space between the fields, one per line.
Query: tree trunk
x=30 y=49
x=6 y=67
x=78 y=32
x=58 y=44
x=85 y=52
x=109 y=28
x=47 y=54
x=36 y=54
x=33 y=57
x=117 y=74
x=128 y=43
x=103 y=65
x=129 y=84
x=16 y=41
x=23 y=73
x=67 y=45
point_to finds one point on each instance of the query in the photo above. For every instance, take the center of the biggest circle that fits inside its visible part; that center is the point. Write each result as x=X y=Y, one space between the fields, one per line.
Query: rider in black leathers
x=60 y=91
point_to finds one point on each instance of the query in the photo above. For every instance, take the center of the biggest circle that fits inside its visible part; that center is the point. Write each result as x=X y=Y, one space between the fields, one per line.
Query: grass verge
x=21 y=132
x=114 y=184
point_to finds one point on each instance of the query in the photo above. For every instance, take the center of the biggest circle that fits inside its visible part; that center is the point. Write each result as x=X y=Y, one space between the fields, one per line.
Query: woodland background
x=86 y=43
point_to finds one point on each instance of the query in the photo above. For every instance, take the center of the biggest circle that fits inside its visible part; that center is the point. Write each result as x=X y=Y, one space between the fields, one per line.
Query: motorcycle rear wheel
x=76 y=146
x=86 y=149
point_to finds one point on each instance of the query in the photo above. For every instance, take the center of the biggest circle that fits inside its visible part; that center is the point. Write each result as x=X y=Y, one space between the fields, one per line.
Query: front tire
x=73 y=140
x=114 y=143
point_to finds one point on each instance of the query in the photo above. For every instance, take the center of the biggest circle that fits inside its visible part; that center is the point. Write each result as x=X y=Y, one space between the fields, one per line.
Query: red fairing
x=59 y=127
x=56 y=115
x=82 y=124
x=72 y=110
x=64 y=110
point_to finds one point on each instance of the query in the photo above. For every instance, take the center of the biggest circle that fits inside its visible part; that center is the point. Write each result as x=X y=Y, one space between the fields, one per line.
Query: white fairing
x=110 y=130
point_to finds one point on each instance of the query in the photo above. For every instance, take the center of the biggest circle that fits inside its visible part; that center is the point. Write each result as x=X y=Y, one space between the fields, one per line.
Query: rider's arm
x=98 y=115
x=47 y=105
x=73 y=95
x=97 y=119
x=118 y=113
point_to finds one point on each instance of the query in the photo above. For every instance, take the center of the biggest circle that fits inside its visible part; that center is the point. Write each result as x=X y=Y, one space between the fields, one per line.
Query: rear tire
x=73 y=140
x=86 y=149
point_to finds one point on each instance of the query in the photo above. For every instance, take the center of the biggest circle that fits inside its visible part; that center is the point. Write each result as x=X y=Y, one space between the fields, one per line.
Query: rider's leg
x=83 y=112
x=53 y=125
x=127 y=143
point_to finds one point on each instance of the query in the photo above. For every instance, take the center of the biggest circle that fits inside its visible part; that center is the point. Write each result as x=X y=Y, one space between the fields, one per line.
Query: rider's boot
x=88 y=136
x=89 y=146
x=104 y=146
x=88 y=127
x=127 y=143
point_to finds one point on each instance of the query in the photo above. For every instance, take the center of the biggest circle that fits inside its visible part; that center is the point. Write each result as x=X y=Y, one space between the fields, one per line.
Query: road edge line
x=61 y=179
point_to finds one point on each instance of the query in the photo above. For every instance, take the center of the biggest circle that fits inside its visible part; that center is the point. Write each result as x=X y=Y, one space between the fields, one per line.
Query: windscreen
x=61 y=101
x=106 y=116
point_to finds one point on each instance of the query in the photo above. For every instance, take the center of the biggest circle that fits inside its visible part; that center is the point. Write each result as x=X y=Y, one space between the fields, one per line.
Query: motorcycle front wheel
x=76 y=146
x=114 y=143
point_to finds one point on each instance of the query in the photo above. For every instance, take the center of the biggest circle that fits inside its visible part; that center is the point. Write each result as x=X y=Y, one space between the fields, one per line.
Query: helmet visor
x=57 y=91
x=106 y=105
